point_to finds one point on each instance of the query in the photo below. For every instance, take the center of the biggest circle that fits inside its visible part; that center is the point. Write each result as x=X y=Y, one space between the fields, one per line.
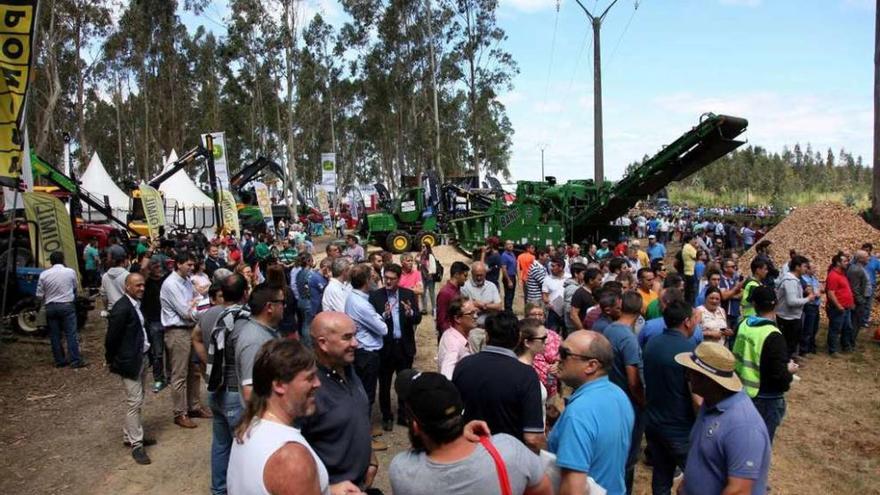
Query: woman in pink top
x=545 y=362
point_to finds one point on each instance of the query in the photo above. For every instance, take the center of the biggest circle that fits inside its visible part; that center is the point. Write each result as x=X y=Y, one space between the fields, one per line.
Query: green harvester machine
x=545 y=213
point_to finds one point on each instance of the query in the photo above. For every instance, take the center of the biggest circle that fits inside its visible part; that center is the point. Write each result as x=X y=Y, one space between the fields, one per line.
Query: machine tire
x=26 y=324
x=398 y=242
x=429 y=237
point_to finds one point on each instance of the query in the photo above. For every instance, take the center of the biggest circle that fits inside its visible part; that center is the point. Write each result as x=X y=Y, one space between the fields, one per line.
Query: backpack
x=568 y=294
x=438 y=270
x=220 y=343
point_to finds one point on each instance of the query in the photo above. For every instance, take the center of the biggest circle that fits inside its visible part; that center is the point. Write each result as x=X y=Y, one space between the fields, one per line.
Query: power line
x=552 y=51
x=613 y=52
x=584 y=45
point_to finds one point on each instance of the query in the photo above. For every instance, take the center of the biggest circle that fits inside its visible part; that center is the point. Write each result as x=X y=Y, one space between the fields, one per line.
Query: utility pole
x=598 y=154
x=543 y=146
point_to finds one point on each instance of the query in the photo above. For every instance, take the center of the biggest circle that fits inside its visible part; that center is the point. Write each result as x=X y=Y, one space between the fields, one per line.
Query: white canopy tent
x=98 y=183
x=180 y=190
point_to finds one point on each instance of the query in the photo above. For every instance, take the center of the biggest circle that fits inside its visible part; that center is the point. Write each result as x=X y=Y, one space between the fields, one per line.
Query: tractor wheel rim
x=399 y=242
x=429 y=240
x=28 y=323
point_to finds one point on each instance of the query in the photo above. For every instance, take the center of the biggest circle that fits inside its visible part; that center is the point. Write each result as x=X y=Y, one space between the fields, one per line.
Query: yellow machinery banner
x=16 y=41
x=154 y=209
x=230 y=212
x=265 y=204
x=53 y=231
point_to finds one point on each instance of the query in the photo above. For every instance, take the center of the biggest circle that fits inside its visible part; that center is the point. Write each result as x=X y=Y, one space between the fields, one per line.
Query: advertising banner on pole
x=53 y=231
x=221 y=168
x=230 y=212
x=265 y=204
x=328 y=171
x=16 y=40
x=154 y=209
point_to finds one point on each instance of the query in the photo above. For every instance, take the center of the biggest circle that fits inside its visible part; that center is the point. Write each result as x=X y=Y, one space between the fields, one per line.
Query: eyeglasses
x=469 y=313
x=564 y=354
x=542 y=339
x=278 y=301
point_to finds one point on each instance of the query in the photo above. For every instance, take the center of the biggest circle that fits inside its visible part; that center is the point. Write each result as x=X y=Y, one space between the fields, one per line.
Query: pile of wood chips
x=818 y=232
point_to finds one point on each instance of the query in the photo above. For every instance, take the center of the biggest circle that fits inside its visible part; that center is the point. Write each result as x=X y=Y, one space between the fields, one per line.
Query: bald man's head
x=134 y=285
x=333 y=337
x=588 y=356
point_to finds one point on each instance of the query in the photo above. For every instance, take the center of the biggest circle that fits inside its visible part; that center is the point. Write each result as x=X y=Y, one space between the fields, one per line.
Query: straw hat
x=715 y=361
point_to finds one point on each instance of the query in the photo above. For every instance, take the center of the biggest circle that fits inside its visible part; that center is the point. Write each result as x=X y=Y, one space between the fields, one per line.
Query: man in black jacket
x=399 y=308
x=126 y=347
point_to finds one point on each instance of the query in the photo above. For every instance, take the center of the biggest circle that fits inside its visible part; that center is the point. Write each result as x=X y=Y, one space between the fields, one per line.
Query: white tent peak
x=181 y=188
x=98 y=182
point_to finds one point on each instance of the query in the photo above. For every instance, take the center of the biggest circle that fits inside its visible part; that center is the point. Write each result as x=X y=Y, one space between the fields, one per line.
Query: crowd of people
x=611 y=349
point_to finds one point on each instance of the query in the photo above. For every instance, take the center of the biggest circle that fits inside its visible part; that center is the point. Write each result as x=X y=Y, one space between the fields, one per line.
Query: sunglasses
x=564 y=354
x=542 y=339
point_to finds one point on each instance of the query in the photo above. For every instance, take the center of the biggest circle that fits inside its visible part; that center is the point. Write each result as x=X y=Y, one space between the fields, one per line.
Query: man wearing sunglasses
x=592 y=437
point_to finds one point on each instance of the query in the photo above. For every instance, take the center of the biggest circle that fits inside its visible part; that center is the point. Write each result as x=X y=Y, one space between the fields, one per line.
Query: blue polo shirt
x=657 y=251
x=593 y=434
x=508 y=259
x=655 y=327
x=669 y=410
x=729 y=439
x=871 y=268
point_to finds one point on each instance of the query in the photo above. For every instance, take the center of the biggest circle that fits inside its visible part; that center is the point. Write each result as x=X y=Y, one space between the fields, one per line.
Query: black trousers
x=366 y=365
x=394 y=359
x=791 y=330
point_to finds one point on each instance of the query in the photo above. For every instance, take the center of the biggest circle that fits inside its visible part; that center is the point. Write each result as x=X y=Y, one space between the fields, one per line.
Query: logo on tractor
x=218 y=151
x=509 y=217
x=328 y=165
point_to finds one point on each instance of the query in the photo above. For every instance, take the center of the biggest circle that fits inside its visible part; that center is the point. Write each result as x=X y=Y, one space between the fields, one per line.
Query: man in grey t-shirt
x=442 y=457
x=267 y=309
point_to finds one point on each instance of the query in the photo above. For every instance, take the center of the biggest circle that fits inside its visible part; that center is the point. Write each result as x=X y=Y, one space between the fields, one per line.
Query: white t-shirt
x=248 y=459
x=555 y=288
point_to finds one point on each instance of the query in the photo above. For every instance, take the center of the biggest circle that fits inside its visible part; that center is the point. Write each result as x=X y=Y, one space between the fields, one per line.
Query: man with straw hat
x=730 y=447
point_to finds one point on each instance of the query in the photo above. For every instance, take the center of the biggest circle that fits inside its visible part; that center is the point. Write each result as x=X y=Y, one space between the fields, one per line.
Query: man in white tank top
x=269 y=456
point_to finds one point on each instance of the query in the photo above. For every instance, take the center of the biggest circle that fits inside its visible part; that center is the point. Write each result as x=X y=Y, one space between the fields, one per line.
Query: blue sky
x=798 y=70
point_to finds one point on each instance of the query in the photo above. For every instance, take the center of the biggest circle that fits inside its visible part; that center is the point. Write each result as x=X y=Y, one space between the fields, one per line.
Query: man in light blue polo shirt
x=729 y=445
x=592 y=437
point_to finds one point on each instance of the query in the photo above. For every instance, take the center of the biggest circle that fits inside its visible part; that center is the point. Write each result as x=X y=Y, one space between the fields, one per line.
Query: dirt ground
x=61 y=429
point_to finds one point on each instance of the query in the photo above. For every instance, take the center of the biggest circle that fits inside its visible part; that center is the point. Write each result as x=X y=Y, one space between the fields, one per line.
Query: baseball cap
x=603 y=241
x=431 y=397
x=652 y=236
x=117 y=253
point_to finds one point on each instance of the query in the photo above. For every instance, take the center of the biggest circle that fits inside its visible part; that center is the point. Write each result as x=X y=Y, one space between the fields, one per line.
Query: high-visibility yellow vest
x=746 y=308
x=750 y=337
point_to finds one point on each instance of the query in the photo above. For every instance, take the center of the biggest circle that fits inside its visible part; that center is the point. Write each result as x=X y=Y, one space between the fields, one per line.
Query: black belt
x=231 y=388
x=179 y=327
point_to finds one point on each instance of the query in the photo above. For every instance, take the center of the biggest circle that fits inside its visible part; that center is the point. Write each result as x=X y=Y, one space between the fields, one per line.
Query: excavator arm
x=190 y=157
x=249 y=172
x=42 y=168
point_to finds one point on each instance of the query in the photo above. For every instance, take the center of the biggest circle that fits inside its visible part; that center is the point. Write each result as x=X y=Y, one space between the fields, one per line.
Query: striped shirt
x=534 y=281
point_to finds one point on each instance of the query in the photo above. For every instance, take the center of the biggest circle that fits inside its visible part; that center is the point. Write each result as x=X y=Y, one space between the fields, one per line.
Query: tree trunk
x=120 y=166
x=146 y=96
x=875 y=189
x=80 y=91
x=290 y=44
x=472 y=97
x=47 y=114
x=433 y=64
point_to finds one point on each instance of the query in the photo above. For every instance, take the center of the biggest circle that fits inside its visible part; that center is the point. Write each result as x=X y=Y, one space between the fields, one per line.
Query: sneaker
x=147 y=442
x=378 y=445
x=140 y=456
x=376 y=431
x=158 y=386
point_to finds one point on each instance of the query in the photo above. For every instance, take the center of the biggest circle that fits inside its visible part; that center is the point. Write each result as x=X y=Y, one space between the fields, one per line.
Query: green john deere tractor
x=404 y=223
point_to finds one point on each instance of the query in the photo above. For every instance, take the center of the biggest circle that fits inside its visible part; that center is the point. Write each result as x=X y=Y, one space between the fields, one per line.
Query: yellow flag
x=53 y=231
x=154 y=209
x=230 y=212
x=16 y=40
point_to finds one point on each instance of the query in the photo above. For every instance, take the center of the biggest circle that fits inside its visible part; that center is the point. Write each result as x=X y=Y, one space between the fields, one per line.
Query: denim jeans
x=554 y=322
x=156 y=332
x=839 y=328
x=810 y=328
x=666 y=454
x=429 y=294
x=61 y=318
x=227 y=410
x=635 y=447
x=772 y=410
x=857 y=315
